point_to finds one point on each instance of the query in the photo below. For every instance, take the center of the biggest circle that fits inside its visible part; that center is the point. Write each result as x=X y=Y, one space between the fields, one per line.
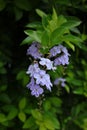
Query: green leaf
x=61 y=20
x=22 y=103
x=47 y=105
x=35 y=25
x=54 y=15
x=71 y=24
x=20 y=75
x=70 y=45
x=12 y=114
x=23 y=4
x=22 y=116
x=45 y=39
x=40 y=13
x=49 y=124
x=2 y=117
x=42 y=127
x=72 y=38
x=29 y=123
x=36 y=114
x=2 y=4
x=18 y=13
x=27 y=40
x=50 y=121
x=55 y=101
x=79 y=91
x=67 y=88
x=35 y=35
x=56 y=36
x=45 y=20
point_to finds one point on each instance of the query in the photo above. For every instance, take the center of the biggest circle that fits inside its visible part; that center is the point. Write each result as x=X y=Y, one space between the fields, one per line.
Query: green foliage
x=55 y=30
x=63 y=108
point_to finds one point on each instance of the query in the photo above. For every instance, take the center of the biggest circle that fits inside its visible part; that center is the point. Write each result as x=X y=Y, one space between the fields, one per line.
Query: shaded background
x=16 y=102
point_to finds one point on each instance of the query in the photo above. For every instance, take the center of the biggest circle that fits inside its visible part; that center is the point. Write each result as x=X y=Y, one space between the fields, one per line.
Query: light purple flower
x=48 y=63
x=36 y=90
x=61 y=60
x=54 y=51
x=43 y=79
x=60 y=81
x=32 y=69
x=33 y=50
x=31 y=84
x=57 y=50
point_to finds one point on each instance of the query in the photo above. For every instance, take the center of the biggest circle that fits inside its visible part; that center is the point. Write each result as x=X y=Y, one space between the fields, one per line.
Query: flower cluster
x=38 y=70
x=61 y=54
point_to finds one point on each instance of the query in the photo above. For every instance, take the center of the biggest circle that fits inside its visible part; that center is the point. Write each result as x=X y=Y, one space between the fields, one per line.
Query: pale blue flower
x=58 y=50
x=48 y=63
x=43 y=79
x=32 y=69
x=36 y=90
x=33 y=50
x=61 y=60
x=31 y=84
x=54 y=51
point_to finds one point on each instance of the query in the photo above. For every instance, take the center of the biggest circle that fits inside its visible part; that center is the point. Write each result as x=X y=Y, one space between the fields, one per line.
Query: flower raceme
x=38 y=71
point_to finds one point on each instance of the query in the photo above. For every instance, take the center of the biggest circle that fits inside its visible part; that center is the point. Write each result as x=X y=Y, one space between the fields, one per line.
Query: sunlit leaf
x=35 y=35
x=40 y=13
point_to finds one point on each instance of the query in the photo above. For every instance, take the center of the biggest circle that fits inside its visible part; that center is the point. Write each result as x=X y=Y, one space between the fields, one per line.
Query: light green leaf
x=79 y=91
x=29 y=123
x=12 y=114
x=54 y=15
x=22 y=116
x=61 y=20
x=72 y=38
x=35 y=35
x=22 y=103
x=67 y=88
x=71 y=24
x=70 y=45
x=36 y=114
x=40 y=13
x=35 y=25
x=2 y=4
x=49 y=124
x=42 y=127
x=27 y=40
x=50 y=121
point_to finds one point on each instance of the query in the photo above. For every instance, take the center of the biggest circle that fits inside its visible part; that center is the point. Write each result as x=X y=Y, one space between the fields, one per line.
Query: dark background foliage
x=18 y=109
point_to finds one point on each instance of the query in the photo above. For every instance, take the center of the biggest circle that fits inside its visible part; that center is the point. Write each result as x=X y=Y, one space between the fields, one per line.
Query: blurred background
x=18 y=109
